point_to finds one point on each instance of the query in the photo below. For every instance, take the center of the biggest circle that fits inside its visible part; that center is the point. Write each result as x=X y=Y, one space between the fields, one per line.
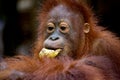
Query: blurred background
x=17 y=23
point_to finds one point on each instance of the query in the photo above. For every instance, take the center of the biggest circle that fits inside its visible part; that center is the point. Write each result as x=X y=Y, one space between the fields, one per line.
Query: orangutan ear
x=86 y=28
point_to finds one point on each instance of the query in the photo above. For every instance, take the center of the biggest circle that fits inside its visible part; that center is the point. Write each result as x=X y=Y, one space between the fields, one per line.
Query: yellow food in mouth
x=49 y=53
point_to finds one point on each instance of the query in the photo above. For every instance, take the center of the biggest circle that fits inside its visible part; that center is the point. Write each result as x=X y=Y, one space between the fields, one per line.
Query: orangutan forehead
x=62 y=12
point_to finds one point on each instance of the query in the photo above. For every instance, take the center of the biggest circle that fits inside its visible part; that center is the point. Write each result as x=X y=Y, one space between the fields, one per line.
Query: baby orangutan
x=69 y=46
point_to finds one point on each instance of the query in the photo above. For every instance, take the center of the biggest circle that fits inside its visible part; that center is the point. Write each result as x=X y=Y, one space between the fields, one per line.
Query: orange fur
x=98 y=58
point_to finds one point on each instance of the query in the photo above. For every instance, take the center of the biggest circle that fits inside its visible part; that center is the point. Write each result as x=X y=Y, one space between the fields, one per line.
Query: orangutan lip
x=54 y=48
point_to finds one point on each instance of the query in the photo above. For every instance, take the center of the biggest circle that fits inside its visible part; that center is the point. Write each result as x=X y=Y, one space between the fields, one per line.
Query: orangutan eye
x=50 y=27
x=64 y=27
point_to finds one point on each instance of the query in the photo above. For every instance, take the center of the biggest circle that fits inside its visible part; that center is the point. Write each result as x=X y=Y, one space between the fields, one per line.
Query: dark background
x=17 y=27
